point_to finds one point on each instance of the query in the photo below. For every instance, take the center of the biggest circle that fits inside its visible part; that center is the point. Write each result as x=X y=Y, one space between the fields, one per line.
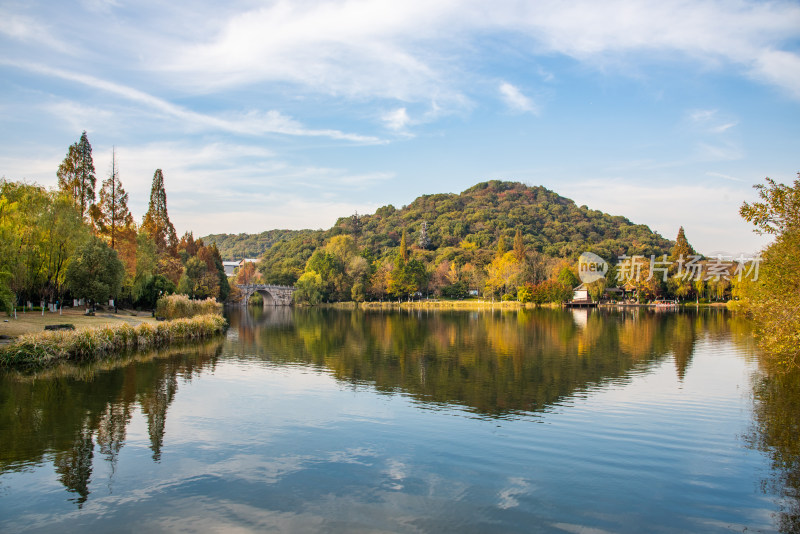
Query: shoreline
x=43 y=349
x=33 y=322
x=489 y=305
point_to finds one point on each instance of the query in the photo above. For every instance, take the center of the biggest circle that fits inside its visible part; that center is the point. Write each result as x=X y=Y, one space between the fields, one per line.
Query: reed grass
x=181 y=306
x=42 y=349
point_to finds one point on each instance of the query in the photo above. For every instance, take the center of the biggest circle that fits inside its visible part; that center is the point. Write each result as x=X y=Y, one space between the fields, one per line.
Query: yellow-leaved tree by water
x=774 y=300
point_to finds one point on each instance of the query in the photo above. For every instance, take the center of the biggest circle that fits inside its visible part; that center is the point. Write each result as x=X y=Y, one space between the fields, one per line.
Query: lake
x=307 y=420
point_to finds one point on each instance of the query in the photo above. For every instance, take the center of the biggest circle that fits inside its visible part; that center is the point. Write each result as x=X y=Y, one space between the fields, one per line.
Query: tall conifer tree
x=156 y=221
x=76 y=175
x=519 y=247
x=403 y=247
x=682 y=247
x=114 y=214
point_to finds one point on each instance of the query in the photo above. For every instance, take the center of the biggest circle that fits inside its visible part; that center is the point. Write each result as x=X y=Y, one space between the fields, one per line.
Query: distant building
x=230 y=267
x=581 y=294
x=581 y=298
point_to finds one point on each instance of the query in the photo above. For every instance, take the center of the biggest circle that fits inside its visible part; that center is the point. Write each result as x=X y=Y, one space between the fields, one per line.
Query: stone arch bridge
x=273 y=295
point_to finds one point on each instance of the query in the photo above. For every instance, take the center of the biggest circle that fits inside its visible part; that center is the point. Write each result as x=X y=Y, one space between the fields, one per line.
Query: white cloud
x=397 y=119
x=780 y=68
x=410 y=51
x=515 y=100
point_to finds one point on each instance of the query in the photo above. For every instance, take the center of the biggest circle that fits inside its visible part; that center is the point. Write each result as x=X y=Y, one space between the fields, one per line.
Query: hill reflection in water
x=493 y=363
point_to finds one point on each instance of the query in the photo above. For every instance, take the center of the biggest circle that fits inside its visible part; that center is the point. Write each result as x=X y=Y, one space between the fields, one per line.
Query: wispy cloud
x=719 y=152
x=515 y=100
x=724 y=176
x=251 y=123
x=32 y=31
x=723 y=127
x=711 y=121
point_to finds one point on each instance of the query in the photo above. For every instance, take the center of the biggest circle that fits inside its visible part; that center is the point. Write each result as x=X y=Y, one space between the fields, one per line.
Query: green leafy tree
x=525 y=294
x=774 y=299
x=63 y=232
x=148 y=285
x=568 y=278
x=309 y=288
x=156 y=221
x=96 y=273
x=39 y=233
x=779 y=211
x=76 y=175
x=406 y=278
x=7 y=298
x=194 y=281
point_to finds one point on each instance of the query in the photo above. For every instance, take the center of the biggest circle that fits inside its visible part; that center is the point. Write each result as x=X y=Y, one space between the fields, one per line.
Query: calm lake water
x=320 y=420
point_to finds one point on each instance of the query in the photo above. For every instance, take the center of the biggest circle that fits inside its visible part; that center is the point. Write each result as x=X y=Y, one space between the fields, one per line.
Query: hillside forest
x=499 y=240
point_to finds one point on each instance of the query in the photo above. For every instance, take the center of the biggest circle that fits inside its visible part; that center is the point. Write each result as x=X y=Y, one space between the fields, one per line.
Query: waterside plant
x=42 y=349
x=181 y=306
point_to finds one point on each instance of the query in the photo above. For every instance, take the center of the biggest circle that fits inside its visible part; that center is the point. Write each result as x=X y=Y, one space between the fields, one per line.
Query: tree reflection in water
x=776 y=431
x=64 y=413
x=494 y=364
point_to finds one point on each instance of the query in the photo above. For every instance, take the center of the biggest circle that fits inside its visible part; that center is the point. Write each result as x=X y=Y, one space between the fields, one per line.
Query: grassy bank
x=30 y=322
x=47 y=348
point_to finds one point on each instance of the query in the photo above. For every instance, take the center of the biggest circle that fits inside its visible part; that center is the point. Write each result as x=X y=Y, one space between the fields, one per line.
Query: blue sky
x=289 y=114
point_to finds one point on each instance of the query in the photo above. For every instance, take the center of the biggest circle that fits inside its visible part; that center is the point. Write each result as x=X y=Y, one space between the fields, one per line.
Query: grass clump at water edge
x=181 y=306
x=46 y=348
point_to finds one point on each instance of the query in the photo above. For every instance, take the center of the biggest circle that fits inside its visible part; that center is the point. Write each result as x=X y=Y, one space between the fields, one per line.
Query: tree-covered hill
x=481 y=215
x=237 y=246
x=460 y=228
